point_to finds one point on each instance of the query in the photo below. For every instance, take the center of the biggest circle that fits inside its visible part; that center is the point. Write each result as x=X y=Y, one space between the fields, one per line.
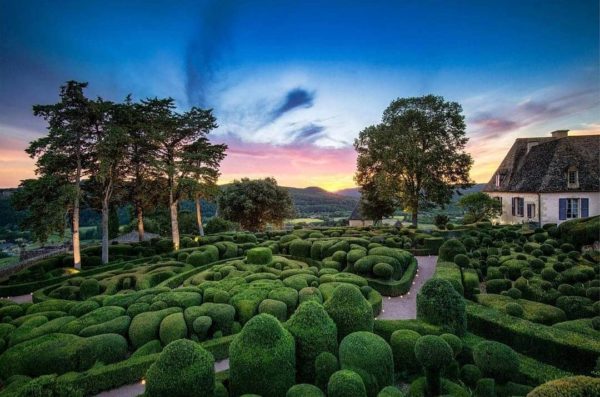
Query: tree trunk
x=433 y=382
x=140 y=222
x=415 y=218
x=105 y=230
x=174 y=223
x=76 y=244
x=199 y=216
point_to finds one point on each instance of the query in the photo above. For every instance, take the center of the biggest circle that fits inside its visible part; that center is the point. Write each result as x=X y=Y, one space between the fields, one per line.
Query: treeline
x=106 y=153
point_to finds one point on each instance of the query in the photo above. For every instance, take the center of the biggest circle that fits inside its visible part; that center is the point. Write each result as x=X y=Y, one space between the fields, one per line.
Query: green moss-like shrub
x=300 y=248
x=514 y=309
x=370 y=356
x=403 y=343
x=496 y=360
x=450 y=249
x=390 y=391
x=273 y=307
x=304 y=390
x=259 y=256
x=118 y=325
x=326 y=364
x=172 y=328
x=145 y=326
x=454 y=342
x=262 y=358
x=346 y=383
x=315 y=333
x=434 y=354
x=88 y=288
x=575 y=306
x=497 y=285
x=287 y=295
x=183 y=368
x=383 y=270
x=221 y=314
x=419 y=388
x=438 y=303
x=470 y=374
x=81 y=308
x=574 y=386
x=349 y=310
x=486 y=387
x=60 y=353
x=310 y=294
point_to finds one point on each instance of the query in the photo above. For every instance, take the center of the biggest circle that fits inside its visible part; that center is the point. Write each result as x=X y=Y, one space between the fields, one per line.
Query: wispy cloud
x=294 y=99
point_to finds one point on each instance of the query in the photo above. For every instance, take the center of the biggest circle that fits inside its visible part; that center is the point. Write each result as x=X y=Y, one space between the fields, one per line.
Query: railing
x=28 y=258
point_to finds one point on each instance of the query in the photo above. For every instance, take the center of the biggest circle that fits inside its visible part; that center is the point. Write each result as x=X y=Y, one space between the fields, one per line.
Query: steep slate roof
x=356 y=214
x=544 y=168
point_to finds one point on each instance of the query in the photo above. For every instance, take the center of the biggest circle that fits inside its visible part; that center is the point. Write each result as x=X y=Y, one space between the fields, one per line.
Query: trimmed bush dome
x=438 y=303
x=349 y=310
x=183 y=368
x=262 y=358
x=315 y=333
x=346 y=383
x=371 y=357
x=496 y=360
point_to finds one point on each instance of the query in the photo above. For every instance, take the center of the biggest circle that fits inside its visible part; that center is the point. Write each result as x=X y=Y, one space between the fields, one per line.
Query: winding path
x=405 y=307
x=27 y=298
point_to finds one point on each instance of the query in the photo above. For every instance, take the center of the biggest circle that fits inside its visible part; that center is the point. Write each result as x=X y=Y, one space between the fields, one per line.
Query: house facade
x=357 y=219
x=548 y=179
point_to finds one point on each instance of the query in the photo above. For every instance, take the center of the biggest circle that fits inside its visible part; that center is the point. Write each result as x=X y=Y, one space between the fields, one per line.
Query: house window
x=497 y=180
x=518 y=204
x=573 y=177
x=530 y=211
x=572 y=208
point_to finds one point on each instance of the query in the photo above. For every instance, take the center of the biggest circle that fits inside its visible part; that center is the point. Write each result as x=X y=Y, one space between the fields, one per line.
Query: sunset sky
x=292 y=83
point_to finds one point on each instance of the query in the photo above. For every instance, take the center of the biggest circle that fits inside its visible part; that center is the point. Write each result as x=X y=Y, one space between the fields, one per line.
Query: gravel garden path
x=405 y=307
x=21 y=298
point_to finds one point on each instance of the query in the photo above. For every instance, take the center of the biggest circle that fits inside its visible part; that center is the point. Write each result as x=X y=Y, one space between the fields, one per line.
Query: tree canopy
x=479 y=207
x=254 y=203
x=418 y=150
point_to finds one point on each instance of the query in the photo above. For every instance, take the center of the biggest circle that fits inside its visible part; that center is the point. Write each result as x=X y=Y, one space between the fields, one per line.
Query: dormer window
x=497 y=180
x=572 y=178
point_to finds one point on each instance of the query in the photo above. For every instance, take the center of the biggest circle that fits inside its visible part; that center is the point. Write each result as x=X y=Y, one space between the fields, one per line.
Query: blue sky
x=293 y=82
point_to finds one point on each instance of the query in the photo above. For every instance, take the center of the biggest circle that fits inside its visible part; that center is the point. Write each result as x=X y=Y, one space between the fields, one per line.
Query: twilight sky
x=292 y=83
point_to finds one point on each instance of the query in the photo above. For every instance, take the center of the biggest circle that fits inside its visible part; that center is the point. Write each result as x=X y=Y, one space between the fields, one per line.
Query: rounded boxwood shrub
x=514 y=309
x=221 y=314
x=470 y=374
x=486 y=387
x=201 y=325
x=496 y=360
x=346 y=383
x=438 y=303
x=549 y=274
x=497 y=285
x=370 y=356
x=450 y=249
x=300 y=248
x=262 y=358
x=575 y=306
x=403 y=343
x=390 y=391
x=310 y=294
x=434 y=354
x=172 y=327
x=462 y=260
x=183 y=368
x=514 y=293
x=275 y=308
x=315 y=333
x=145 y=326
x=259 y=256
x=88 y=288
x=304 y=390
x=349 y=310
x=287 y=295
x=383 y=270
x=325 y=365
x=454 y=342
x=572 y=386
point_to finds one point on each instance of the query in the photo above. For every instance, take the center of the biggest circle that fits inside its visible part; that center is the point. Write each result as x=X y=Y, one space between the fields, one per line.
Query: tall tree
x=181 y=149
x=479 y=206
x=377 y=199
x=144 y=185
x=203 y=185
x=419 y=147
x=108 y=165
x=254 y=203
x=65 y=151
x=46 y=202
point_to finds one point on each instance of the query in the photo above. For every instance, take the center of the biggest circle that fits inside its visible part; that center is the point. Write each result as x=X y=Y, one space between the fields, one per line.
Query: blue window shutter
x=562 y=209
x=585 y=207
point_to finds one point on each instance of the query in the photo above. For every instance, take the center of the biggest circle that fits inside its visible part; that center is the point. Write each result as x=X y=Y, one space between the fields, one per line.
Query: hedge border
x=567 y=350
x=397 y=287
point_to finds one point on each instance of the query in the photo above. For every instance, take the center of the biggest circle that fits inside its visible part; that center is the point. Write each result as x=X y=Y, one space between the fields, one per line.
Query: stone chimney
x=560 y=134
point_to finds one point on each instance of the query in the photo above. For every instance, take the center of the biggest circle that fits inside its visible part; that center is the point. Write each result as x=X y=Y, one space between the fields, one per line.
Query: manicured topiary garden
x=296 y=314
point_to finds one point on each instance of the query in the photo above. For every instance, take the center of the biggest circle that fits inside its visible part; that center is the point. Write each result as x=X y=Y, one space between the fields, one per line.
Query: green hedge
x=395 y=287
x=565 y=349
